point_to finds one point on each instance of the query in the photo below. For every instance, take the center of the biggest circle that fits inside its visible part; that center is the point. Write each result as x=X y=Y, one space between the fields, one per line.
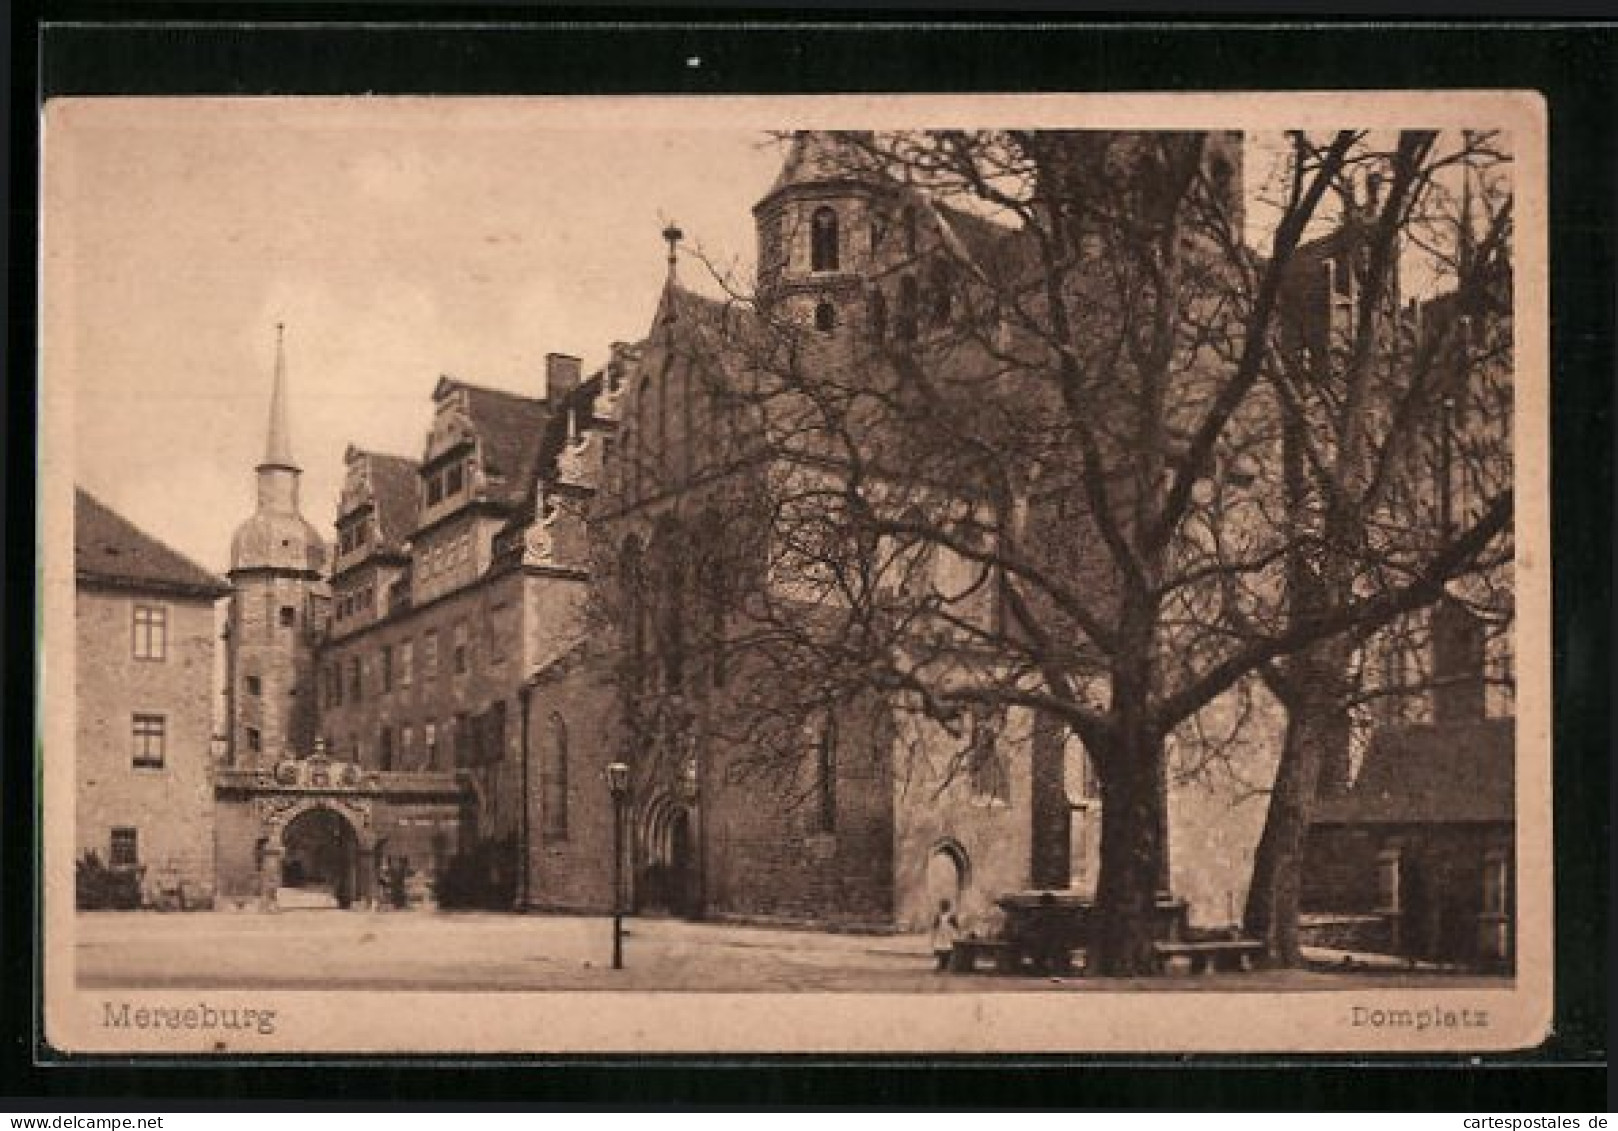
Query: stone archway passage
x=320 y=865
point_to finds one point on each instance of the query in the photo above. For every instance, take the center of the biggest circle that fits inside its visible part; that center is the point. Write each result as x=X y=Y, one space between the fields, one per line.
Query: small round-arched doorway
x=947 y=870
x=321 y=859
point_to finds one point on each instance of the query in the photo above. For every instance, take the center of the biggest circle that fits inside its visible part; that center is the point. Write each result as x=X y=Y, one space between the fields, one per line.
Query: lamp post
x=617 y=774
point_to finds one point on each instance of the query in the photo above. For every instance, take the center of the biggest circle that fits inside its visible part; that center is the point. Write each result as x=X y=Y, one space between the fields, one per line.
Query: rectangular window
x=429 y=655
x=429 y=742
x=255 y=741
x=435 y=490
x=407 y=747
x=407 y=663
x=289 y=616
x=124 y=851
x=385 y=748
x=460 y=649
x=151 y=632
x=493 y=736
x=150 y=732
x=387 y=668
x=1389 y=899
x=452 y=480
x=254 y=685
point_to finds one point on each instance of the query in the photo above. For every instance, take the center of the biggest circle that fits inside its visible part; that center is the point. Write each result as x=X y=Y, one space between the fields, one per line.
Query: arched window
x=825 y=316
x=909 y=300
x=631 y=572
x=986 y=765
x=938 y=282
x=555 y=781
x=639 y=447
x=670 y=549
x=823 y=242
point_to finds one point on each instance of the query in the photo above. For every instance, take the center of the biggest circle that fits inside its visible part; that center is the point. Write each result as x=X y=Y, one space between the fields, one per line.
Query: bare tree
x=1395 y=432
x=1032 y=460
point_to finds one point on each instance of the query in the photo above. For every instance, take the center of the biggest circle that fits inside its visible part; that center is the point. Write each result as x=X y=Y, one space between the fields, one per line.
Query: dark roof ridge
x=167 y=568
x=476 y=387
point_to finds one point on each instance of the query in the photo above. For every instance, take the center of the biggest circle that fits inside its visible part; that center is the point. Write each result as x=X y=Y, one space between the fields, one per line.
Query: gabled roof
x=507 y=425
x=1434 y=774
x=999 y=251
x=394 y=495
x=108 y=549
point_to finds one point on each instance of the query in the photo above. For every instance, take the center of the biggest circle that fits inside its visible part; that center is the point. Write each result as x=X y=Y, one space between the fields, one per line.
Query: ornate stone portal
x=380 y=811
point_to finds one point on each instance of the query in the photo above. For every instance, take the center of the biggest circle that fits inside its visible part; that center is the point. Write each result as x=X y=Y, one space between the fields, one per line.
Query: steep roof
x=108 y=549
x=507 y=424
x=1435 y=774
x=824 y=157
x=394 y=494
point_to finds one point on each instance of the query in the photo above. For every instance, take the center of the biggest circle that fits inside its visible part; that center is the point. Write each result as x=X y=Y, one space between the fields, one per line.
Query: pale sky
x=397 y=239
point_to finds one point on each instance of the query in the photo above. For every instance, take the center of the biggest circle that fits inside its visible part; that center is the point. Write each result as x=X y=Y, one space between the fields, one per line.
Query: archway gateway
x=320 y=864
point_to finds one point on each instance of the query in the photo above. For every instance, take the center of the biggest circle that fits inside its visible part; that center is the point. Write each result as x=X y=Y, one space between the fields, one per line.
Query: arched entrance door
x=320 y=862
x=946 y=875
x=667 y=879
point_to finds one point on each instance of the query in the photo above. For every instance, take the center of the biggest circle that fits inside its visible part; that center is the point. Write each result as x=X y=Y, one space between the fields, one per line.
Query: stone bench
x=964 y=955
x=1209 y=954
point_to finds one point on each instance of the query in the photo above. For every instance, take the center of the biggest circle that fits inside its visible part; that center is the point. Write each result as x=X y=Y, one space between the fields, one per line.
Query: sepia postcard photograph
x=992 y=574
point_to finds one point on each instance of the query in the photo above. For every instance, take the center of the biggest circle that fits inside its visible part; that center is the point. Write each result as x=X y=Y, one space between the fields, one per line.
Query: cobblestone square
x=360 y=950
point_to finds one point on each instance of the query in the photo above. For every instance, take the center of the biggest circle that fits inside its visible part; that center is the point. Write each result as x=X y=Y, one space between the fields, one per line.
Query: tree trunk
x=1132 y=854
x=1317 y=734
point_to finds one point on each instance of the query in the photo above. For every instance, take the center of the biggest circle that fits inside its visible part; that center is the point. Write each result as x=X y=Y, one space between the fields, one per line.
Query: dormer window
x=823 y=248
x=453 y=480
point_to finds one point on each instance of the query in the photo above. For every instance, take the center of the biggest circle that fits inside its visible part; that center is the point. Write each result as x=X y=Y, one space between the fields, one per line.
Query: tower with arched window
x=818 y=228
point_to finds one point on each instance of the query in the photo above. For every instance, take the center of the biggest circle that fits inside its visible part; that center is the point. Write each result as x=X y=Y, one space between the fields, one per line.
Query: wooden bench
x=1210 y=954
x=964 y=955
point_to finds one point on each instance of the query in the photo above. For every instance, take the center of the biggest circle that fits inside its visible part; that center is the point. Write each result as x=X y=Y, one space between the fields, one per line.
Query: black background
x=67 y=48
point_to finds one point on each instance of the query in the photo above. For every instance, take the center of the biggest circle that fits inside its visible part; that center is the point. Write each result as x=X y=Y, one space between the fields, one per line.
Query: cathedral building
x=848 y=812
x=582 y=577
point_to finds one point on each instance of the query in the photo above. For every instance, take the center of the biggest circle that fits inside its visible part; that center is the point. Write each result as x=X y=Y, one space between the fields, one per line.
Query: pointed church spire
x=278 y=446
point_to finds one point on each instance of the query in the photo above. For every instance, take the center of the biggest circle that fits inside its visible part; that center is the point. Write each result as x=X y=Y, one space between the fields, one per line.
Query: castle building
x=294 y=821
x=144 y=666
x=454 y=581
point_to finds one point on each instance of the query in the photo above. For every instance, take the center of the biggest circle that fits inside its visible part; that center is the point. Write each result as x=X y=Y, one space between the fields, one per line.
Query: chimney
x=1458 y=645
x=563 y=373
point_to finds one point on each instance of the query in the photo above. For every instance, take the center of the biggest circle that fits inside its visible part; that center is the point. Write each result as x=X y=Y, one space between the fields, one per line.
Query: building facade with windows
x=298 y=821
x=146 y=641
x=849 y=813
x=456 y=579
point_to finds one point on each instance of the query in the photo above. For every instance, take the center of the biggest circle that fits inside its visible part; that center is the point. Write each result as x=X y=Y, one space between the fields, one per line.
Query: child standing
x=946 y=929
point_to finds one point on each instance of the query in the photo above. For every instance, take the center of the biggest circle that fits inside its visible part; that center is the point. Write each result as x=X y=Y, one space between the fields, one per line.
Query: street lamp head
x=617 y=775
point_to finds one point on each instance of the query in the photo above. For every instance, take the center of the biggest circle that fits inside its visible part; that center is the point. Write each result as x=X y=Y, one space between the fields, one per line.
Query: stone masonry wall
x=170 y=808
